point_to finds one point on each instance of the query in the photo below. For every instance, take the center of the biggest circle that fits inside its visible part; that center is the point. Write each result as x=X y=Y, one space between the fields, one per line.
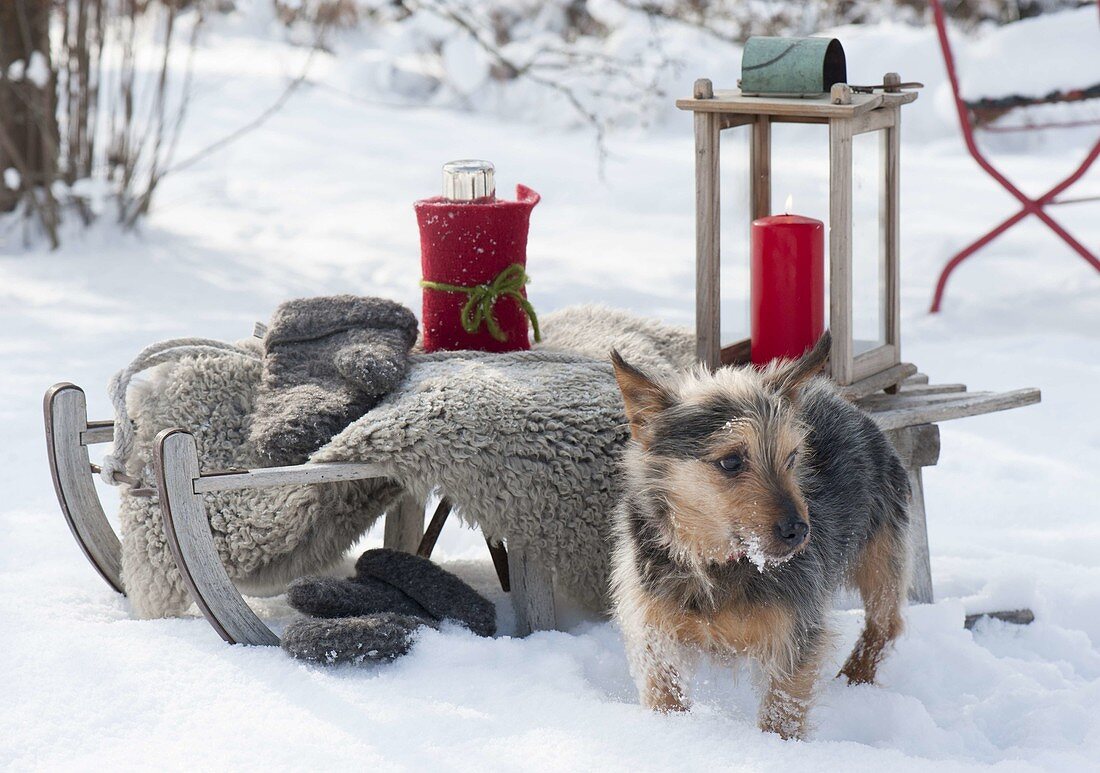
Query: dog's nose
x=792 y=531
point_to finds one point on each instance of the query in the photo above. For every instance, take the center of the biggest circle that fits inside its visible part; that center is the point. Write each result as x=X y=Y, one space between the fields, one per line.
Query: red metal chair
x=1028 y=205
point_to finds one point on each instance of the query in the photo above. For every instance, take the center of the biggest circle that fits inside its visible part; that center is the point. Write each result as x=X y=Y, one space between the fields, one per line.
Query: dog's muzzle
x=792 y=532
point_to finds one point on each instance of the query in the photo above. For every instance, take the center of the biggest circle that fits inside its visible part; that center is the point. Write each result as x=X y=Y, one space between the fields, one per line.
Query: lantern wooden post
x=890 y=219
x=841 y=360
x=708 y=339
x=760 y=168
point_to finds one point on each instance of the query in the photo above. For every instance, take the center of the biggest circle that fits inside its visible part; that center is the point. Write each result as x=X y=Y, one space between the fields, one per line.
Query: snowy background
x=318 y=200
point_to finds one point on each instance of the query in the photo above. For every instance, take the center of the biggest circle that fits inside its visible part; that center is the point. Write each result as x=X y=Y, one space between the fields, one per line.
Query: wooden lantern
x=846 y=114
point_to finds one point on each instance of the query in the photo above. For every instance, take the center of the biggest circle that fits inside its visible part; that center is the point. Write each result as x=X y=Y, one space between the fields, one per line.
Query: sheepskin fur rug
x=525 y=444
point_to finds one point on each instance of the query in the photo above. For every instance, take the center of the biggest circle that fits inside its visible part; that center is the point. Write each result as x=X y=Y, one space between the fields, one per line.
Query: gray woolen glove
x=375 y=614
x=378 y=637
x=327 y=361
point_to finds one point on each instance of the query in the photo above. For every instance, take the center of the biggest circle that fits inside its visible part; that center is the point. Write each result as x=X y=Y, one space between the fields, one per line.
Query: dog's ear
x=786 y=378
x=644 y=398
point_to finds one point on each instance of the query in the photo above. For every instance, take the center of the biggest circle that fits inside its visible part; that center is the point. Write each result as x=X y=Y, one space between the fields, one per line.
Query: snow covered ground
x=319 y=201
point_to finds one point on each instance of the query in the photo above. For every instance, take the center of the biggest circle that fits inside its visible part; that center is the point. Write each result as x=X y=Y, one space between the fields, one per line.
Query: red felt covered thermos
x=473 y=254
x=787 y=306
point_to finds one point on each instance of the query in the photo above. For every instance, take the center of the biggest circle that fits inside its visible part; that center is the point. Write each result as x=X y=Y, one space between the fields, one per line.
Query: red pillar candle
x=787 y=306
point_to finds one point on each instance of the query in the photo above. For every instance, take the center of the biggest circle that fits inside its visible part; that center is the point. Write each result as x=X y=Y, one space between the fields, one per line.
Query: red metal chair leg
x=1030 y=206
x=941 y=283
x=1049 y=196
x=1068 y=239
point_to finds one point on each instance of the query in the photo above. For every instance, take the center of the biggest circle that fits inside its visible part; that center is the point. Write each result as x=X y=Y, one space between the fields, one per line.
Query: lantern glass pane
x=800 y=169
x=868 y=318
x=735 y=201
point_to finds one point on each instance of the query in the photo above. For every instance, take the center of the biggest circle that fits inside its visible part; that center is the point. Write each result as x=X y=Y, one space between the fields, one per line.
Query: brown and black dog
x=749 y=498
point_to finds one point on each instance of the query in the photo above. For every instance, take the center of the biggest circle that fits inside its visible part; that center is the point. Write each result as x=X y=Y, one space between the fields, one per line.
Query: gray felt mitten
x=375 y=614
x=441 y=595
x=330 y=597
x=382 y=636
x=327 y=361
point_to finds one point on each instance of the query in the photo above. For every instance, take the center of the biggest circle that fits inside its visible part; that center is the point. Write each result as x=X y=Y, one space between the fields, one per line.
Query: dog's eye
x=792 y=459
x=732 y=464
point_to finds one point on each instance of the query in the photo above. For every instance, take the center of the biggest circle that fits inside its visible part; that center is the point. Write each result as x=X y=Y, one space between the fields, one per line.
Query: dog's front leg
x=662 y=669
x=788 y=697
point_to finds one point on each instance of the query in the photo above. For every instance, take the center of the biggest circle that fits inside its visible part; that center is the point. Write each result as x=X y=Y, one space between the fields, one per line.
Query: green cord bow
x=481 y=299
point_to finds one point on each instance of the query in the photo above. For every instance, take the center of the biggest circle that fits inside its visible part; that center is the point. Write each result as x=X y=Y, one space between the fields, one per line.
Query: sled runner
x=68 y=436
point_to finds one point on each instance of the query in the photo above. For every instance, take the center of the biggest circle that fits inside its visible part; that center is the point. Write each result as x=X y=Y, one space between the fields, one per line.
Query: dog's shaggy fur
x=749 y=498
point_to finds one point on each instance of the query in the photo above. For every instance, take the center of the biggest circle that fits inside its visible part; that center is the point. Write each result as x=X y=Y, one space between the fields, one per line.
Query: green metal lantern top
x=791 y=67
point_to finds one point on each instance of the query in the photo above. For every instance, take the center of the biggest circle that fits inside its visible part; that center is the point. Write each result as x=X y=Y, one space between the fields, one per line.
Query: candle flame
x=790 y=203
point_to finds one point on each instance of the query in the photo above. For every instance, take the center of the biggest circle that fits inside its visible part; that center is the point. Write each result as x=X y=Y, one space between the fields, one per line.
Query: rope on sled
x=113 y=467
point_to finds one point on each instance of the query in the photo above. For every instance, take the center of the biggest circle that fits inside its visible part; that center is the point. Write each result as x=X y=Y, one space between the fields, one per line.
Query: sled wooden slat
x=66 y=418
x=892 y=376
x=188 y=531
x=297 y=475
x=930 y=389
x=962 y=405
x=885 y=402
x=98 y=432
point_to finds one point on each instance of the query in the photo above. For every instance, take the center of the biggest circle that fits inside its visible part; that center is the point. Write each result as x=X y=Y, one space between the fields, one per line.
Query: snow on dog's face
x=723 y=451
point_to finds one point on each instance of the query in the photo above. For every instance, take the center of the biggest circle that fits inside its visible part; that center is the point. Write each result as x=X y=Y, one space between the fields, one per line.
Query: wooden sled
x=902 y=402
